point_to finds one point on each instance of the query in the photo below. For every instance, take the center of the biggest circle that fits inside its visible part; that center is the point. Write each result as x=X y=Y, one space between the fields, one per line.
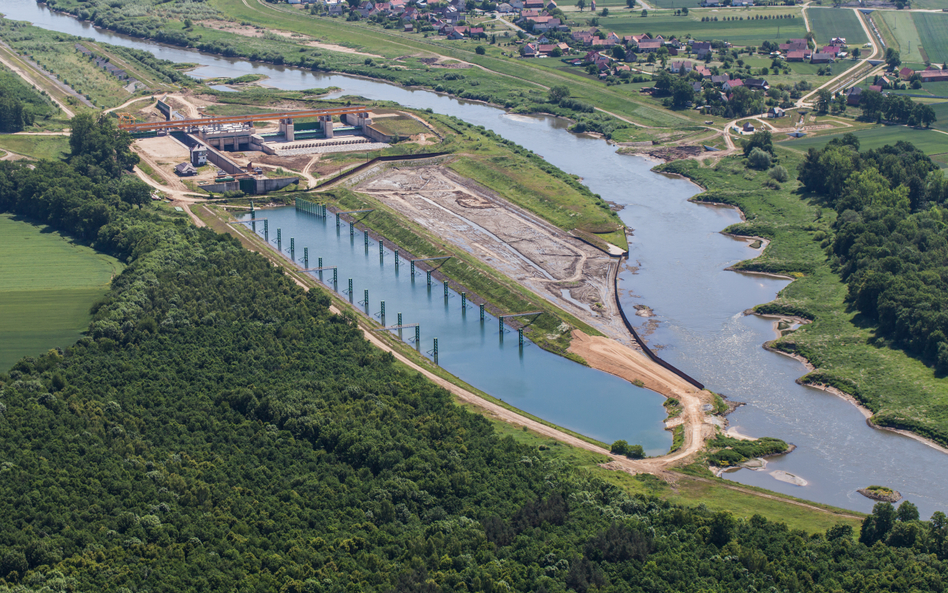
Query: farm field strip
x=902 y=27
x=932 y=31
x=836 y=22
x=746 y=32
x=929 y=141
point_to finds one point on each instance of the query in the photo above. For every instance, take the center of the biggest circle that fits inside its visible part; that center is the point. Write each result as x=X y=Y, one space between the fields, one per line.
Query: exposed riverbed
x=677 y=268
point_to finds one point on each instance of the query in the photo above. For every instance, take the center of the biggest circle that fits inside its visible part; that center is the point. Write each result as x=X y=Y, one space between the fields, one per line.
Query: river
x=677 y=267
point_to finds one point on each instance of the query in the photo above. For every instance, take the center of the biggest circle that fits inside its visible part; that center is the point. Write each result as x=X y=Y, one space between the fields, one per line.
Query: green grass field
x=836 y=22
x=403 y=126
x=929 y=141
x=933 y=34
x=37 y=147
x=902 y=27
x=49 y=284
x=746 y=32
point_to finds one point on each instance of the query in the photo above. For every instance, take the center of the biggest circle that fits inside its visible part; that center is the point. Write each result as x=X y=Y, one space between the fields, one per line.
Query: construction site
x=253 y=153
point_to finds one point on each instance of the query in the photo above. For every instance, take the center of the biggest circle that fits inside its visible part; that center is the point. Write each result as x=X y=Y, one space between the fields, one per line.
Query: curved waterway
x=677 y=267
x=546 y=385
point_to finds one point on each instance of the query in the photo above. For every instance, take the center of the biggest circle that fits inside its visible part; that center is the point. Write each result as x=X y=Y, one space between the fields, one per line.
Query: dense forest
x=20 y=104
x=219 y=429
x=891 y=240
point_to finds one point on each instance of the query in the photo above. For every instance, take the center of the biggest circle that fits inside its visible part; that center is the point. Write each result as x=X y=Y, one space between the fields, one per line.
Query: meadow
x=741 y=33
x=49 y=284
x=836 y=22
x=37 y=147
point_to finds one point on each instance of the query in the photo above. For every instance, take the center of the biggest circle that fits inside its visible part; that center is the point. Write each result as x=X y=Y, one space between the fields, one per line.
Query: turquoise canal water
x=556 y=389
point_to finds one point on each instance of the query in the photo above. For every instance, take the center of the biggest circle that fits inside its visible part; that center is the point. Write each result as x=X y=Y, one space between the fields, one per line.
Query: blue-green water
x=548 y=386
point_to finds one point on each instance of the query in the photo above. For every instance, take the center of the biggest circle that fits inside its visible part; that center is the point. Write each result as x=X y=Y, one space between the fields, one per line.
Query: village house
x=748 y=127
x=934 y=75
x=681 y=67
x=853 y=95
x=798 y=55
x=720 y=78
x=756 y=84
x=704 y=72
x=821 y=58
x=906 y=73
x=730 y=85
x=650 y=45
x=794 y=45
x=775 y=112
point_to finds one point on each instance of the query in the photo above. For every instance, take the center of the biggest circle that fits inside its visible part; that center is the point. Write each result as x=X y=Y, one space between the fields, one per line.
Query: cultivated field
x=746 y=32
x=49 y=283
x=836 y=22
x=929 y=141
x=901 y=26
x=933 y=33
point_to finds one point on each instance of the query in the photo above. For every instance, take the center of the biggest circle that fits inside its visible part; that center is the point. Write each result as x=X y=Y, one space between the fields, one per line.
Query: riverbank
x=840 y=353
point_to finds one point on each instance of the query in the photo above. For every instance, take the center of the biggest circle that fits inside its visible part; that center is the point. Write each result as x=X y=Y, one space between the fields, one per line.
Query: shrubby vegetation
x=730 y=451
x=891 y=242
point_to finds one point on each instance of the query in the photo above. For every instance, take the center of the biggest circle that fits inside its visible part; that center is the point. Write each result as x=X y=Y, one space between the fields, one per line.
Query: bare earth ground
x=569 y=273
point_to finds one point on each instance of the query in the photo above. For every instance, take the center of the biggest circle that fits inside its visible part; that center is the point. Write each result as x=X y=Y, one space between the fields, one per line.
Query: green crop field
x=902 y=27
x=930 y=141
x=932 y=30
x=836 y=22
x=746 y=32
x=930 y=4
x=49 y=283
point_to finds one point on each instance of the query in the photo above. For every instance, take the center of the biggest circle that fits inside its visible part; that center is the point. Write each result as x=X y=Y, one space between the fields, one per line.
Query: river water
x=677 y=267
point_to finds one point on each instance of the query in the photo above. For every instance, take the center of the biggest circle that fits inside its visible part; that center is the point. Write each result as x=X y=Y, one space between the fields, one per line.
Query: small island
x=880 y=493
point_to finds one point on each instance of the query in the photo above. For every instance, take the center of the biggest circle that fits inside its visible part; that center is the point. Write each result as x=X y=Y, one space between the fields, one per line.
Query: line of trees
x=896 y=109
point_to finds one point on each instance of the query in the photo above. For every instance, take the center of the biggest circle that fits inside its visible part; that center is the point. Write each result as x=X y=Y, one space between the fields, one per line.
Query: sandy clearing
x=617 y=359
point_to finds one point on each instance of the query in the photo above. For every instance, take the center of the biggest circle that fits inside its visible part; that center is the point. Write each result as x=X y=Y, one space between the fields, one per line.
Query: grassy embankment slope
x=49 y=284
x=837 y=343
